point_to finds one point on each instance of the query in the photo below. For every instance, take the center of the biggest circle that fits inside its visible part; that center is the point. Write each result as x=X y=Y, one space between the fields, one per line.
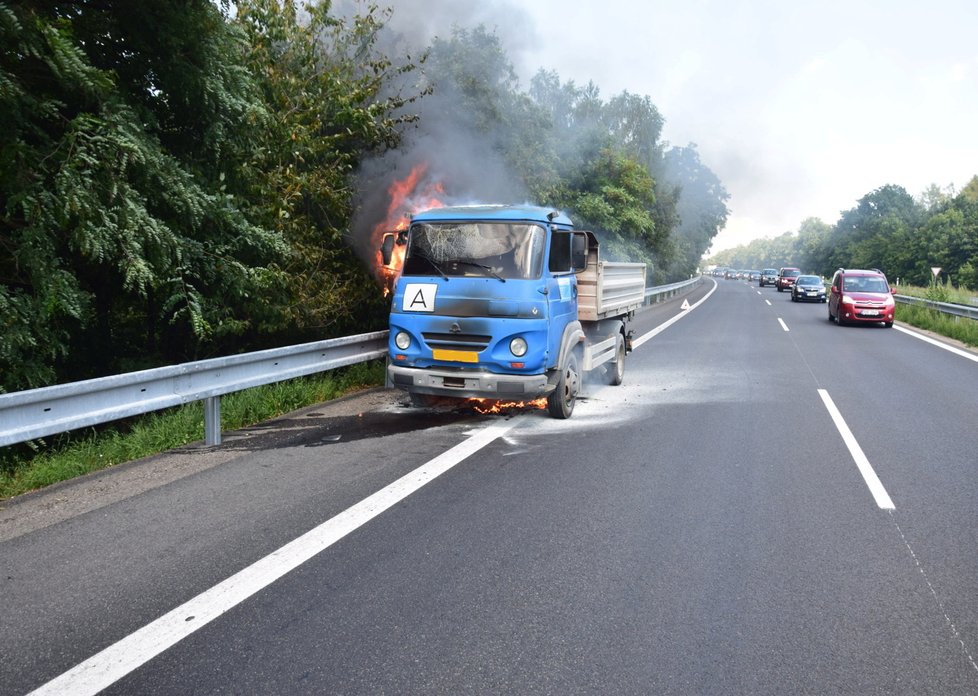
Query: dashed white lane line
x=783 y=325
x=116 y=661
x=769 y=303
x=865 y=468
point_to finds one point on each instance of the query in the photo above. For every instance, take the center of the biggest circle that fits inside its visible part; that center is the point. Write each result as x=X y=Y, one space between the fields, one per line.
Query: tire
x=560 y=403
x=888 y=324
x=615 y=371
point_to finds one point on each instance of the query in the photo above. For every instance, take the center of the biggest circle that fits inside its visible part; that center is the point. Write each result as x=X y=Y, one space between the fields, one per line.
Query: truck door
x=561 y=290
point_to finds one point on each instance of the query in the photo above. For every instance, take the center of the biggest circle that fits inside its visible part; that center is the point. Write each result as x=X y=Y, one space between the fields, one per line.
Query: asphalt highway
x=769 y=504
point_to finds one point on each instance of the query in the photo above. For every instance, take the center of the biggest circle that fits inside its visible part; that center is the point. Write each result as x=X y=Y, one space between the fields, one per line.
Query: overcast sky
x=800 y=107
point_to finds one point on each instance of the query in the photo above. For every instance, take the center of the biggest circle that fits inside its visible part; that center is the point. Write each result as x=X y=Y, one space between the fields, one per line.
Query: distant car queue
x=854 y=295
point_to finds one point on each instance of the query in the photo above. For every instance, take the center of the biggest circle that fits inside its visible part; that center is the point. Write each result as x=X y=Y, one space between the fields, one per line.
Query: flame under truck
x=507 y=303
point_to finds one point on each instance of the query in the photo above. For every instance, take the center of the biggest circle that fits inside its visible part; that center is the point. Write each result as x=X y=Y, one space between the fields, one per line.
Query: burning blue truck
x=506 y=303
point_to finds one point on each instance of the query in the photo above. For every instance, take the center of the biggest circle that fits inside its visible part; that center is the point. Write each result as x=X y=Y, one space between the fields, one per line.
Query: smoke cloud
x=464 y=164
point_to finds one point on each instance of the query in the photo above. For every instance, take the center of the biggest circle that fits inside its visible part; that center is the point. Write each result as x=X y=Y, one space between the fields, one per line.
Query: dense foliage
x=174 y=184
x=887 y=229
x=178 y=179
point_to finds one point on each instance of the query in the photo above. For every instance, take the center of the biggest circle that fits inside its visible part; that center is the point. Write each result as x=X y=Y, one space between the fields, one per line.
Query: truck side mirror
x=579 y=252
x=387 y=249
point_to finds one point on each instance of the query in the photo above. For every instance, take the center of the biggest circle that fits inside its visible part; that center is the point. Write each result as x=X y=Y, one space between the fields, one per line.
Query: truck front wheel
x=560 y=403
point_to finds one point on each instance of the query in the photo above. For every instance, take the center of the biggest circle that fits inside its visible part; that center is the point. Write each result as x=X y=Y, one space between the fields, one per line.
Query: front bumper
x=867 y=314
x=468 y=384
x=803 y=296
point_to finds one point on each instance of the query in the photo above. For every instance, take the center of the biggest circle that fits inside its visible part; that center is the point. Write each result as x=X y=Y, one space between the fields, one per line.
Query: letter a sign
x=419 y=297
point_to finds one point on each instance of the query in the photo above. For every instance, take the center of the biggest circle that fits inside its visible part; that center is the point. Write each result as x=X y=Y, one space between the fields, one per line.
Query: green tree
x=635 y=124
x=877 y=233
x=123 y=244
x=812 y=234
x=949 y=237
x=701 y=206
x=332 y=99
x=934 y=198
x=479 y=112
x=614 y=196
x=604 y=159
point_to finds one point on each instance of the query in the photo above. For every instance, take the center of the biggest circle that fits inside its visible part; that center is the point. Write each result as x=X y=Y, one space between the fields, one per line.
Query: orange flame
x=408 y=195
x=485 y=406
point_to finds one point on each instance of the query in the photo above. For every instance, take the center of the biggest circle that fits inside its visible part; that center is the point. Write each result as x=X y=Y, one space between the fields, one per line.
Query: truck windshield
x=491 y=249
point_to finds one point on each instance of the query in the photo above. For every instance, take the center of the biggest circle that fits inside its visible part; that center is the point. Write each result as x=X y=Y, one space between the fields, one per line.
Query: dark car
x=769 y=276
x=860 y=296
x=808 y=288
x=786 y=277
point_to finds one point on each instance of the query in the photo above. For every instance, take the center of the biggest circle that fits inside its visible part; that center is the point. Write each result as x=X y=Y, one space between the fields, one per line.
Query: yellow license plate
x=466 y=356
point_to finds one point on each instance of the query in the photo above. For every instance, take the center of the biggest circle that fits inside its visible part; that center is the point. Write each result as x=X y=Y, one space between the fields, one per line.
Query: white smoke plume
x=462 y=161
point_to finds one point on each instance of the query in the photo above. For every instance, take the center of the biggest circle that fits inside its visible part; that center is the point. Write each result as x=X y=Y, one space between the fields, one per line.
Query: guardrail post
x=212 y=420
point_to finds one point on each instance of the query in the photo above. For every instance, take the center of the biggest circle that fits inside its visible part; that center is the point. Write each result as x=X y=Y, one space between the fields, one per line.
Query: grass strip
x=940 y=292
x=41 y=463
x=961 y=329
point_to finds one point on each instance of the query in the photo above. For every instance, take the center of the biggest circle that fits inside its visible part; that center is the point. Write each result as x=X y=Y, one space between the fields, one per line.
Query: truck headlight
x=402 y=340
x=518 y=347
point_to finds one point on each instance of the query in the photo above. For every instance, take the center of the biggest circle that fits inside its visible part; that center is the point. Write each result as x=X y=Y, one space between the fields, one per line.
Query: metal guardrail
x=658 y=292
x=36 y=413
x=943 y=307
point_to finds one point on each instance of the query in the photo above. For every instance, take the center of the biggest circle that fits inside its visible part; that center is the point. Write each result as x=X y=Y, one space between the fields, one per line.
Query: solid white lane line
x=939 y=344
x=783 y=325
x=865 y=468
x=118 y=660
x=669 y=322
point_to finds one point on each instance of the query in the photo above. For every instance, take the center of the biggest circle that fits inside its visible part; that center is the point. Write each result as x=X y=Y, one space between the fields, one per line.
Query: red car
x=786 y=278
x=860 y=296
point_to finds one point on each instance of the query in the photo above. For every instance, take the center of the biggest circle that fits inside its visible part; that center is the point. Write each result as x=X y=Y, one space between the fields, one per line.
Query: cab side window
x=560 y=252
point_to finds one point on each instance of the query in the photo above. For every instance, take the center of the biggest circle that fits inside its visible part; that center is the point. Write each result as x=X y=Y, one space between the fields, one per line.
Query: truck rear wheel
x=560 y=403
x=615 y=371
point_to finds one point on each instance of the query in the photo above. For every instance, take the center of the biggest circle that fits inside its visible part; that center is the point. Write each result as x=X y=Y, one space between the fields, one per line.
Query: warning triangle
x=685 y=305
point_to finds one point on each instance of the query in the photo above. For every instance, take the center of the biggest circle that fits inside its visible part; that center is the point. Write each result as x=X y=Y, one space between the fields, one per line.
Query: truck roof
x=494 y=212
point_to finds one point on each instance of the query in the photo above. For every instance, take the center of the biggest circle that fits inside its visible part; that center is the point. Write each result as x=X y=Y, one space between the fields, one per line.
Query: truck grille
x=450 y=341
